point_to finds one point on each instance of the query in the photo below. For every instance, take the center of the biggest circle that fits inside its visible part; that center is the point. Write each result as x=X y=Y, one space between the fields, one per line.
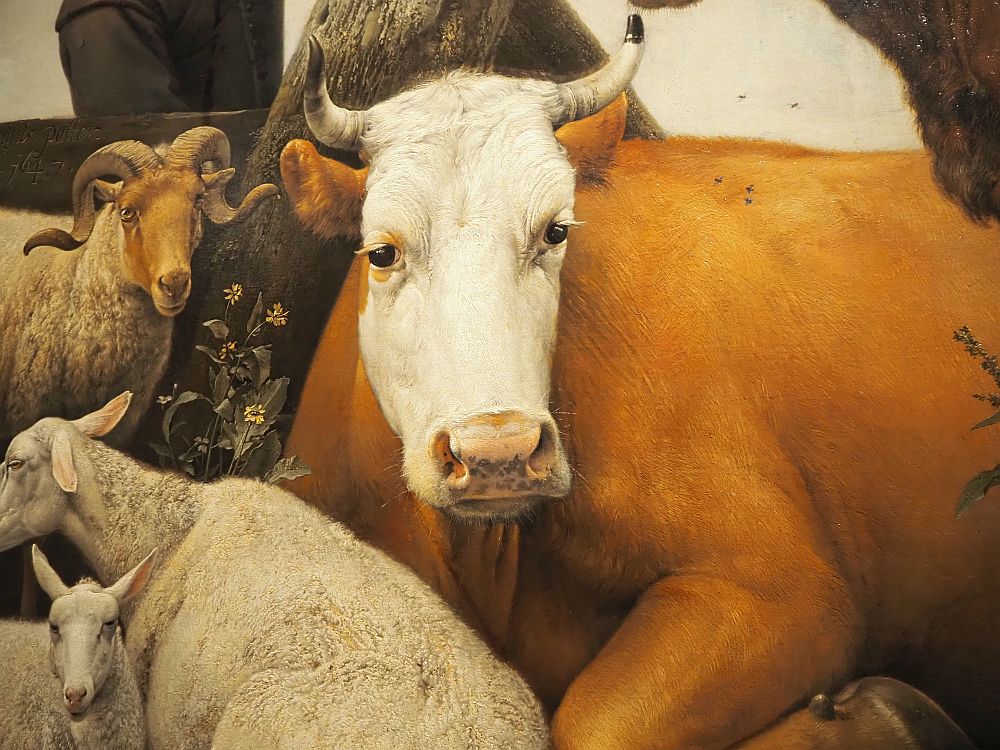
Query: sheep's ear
x=326 y=194
x=48 y=579
x=63 y=468
x=218 y=179
x=134 y=581
x=104 y=420
x=106 y=192
x=591 y=142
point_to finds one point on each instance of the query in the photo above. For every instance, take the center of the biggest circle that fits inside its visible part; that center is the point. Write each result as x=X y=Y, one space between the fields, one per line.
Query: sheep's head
x=159 y=203
x=83 y=627
x=38 y=475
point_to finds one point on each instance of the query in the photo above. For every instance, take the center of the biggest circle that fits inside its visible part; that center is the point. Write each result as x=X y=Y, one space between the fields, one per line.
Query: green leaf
x=221 y=388
x=263 y=457
x=210 y=353
x=988 y=421
x=287 y=468
x=976 y=489
x=168 y=416
x=218 y=328
x=262 y=358
x=258 y=311
x=225 y=410
x=272 y=398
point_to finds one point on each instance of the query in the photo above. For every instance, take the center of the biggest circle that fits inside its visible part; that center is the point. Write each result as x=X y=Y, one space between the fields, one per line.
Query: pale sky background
x=698 y=63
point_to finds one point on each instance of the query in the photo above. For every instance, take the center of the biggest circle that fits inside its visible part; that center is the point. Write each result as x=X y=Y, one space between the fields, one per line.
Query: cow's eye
x=128 y=214
x=383 y=256
x=556 y=233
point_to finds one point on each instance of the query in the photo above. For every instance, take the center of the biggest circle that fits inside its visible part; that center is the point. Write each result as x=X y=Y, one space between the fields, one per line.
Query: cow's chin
x=493 y=510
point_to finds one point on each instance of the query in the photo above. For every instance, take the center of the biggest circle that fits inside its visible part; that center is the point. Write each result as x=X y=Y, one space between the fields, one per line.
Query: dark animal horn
x=588 y=95
x=207 y=144
x=121 y=160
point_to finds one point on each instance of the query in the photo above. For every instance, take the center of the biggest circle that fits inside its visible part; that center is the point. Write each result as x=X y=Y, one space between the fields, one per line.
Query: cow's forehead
x=470 y=139
x=462 y=107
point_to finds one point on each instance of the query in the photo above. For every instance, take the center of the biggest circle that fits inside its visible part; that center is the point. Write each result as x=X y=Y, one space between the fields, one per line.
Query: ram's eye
x=53 y=628
x=383 y=256
x=14 y=464
x=111 y=623
x=128 y=214
x=556 y=233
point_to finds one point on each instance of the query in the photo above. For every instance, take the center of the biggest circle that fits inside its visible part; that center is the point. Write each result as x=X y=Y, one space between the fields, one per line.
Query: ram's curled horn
x=198 y=146
x=588 y=95
x=335 y=126
x=121 y=160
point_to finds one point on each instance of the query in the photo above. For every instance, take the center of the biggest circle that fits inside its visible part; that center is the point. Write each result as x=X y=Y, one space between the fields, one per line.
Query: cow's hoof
x=895 y=714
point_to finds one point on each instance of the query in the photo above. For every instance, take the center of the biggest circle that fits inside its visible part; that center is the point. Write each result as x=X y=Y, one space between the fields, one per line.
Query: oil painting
x=569 y=374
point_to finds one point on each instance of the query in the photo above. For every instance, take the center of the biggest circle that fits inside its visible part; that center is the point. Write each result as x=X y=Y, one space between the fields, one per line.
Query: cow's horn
x=584 y=97
x=122 y=159
x=335 y=126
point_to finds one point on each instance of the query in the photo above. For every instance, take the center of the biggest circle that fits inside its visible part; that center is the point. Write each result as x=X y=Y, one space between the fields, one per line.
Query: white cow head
x=464 y=213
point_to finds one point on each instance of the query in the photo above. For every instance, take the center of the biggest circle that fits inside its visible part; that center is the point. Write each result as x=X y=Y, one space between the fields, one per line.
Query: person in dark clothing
x=133 y=56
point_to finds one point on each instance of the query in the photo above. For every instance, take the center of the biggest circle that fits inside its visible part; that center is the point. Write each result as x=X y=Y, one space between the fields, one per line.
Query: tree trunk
x=374 y=49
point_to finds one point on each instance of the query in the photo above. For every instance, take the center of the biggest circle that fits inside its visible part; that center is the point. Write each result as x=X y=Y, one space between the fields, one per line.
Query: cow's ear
x=326 y=195
x=592 y=141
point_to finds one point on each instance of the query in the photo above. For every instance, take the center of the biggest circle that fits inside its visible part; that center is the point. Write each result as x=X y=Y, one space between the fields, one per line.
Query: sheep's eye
x=556 y=233
x=14 y=464
x=128 y=214
x=383 y=256
x=53 y=628
x=111 y=623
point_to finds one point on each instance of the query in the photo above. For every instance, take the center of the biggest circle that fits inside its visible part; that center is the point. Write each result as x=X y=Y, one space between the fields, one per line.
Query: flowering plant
x=231 y=428
x=980 y=484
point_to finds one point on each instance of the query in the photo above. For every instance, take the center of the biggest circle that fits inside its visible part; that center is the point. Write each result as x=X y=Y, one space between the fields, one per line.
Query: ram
x=90 y=311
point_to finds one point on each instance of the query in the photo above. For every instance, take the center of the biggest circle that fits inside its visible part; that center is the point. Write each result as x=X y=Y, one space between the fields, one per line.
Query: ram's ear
x=106 y=192
x=591 y=142
x=135 y=580
x=326 y=194
x=99 y=423
x=46 y=575
x=63 y=466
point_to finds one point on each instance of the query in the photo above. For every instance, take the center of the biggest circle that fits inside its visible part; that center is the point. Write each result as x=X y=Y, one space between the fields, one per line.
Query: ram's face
x=161 y=219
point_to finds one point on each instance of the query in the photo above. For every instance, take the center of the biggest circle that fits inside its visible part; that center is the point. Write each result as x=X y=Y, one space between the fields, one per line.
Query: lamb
x=79 y=326
x=72 y=686
x=267 y=625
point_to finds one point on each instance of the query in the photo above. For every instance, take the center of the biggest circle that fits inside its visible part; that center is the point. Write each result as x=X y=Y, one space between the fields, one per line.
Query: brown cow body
x=769 y=428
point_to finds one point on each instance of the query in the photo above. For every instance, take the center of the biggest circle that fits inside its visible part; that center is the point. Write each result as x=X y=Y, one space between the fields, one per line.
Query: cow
x=679 y=426
x=948 y=53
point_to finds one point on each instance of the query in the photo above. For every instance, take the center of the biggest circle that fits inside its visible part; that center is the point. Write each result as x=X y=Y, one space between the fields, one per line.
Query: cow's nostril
x=449 y=464
x=540 y=462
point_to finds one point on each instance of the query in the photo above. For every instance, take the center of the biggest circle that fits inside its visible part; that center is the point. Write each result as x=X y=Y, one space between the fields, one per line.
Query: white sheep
x=70 y=684
x=81 y=326
x=267 y=625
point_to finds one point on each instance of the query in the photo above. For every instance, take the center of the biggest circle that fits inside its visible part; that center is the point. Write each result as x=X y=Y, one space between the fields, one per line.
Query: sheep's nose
x=175 y=284
x=74 y=696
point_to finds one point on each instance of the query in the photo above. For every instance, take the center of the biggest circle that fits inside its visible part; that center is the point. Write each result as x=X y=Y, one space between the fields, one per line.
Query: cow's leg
x=874 y=713
x=704 y=661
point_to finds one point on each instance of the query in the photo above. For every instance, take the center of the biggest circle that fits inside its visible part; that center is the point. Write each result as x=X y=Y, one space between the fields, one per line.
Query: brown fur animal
x=768 y=425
